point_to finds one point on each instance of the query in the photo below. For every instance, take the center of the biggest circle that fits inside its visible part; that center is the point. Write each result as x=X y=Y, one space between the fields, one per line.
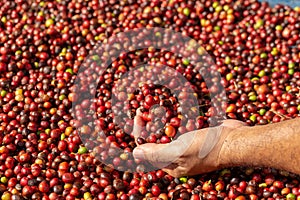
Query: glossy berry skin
x=170 y=131
x=155 y=190
x=59 y=130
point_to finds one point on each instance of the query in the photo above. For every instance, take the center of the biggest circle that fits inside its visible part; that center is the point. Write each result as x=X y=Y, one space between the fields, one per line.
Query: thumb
x=138 y=124
x=157 y=153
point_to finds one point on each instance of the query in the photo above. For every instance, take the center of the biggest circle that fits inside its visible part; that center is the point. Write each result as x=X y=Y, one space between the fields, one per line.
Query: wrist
x=227 y=156
x=215 y=158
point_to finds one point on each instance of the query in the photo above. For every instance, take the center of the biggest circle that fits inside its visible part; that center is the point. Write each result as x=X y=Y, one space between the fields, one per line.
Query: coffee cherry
x=50 y=141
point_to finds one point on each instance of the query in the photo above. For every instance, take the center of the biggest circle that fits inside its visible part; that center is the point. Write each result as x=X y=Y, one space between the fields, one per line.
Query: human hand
x=192 y=153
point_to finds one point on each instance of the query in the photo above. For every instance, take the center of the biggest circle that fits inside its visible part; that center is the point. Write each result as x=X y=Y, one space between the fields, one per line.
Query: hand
x=192 y=153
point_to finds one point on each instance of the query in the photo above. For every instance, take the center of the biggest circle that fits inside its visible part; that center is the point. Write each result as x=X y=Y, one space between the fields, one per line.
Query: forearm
x=274 y=145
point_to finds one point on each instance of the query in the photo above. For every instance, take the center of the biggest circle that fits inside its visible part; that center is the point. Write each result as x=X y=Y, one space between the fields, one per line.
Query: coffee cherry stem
x=280 y=115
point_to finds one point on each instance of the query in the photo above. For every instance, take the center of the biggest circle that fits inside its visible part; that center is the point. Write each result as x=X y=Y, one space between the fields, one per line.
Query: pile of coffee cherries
x=66 y=118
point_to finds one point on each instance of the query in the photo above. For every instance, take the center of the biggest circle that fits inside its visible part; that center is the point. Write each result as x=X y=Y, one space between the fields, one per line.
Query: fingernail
x=138 y=153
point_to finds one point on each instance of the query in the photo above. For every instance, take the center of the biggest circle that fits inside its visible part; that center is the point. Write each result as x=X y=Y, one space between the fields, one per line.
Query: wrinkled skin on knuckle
x=176 y=173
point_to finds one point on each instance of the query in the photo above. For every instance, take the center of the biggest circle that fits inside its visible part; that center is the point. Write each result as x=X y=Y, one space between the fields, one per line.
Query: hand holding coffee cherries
x=230 y=144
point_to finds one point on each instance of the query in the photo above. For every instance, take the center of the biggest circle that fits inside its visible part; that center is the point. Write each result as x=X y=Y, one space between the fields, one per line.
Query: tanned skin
x=234 y=144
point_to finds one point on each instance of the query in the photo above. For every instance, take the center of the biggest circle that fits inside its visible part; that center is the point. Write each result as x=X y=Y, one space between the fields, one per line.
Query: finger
x=157 y=154
x=169 y=171
x=174 y=172
x=171 y=166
